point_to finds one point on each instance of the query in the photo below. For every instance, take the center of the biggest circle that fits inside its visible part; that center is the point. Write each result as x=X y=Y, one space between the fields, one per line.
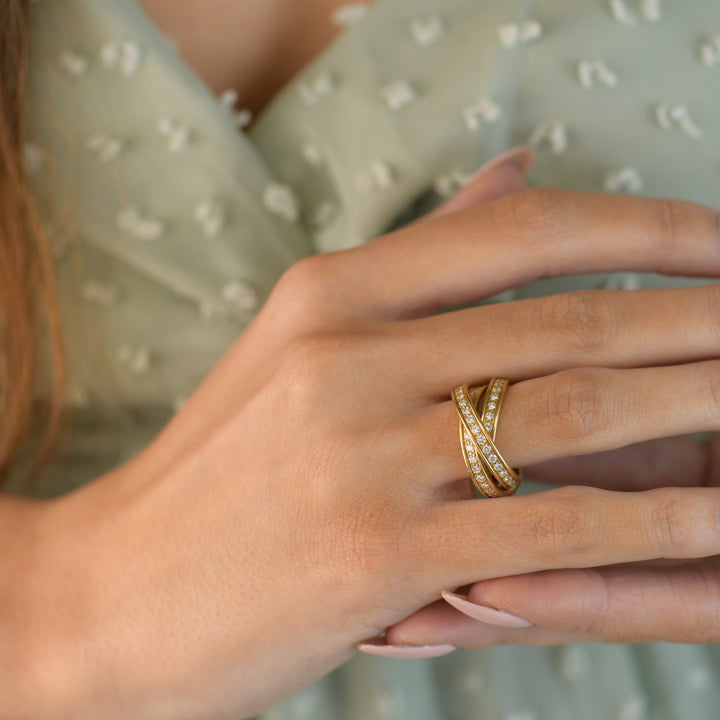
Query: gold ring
x=489 y=471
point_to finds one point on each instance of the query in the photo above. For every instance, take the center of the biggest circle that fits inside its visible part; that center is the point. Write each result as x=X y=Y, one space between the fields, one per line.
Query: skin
x=254 y=47
x=311 y=492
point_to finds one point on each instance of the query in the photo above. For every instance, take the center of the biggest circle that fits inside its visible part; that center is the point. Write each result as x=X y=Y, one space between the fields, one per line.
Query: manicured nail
x=520 y=157
x=483 y=613
x=404 y=651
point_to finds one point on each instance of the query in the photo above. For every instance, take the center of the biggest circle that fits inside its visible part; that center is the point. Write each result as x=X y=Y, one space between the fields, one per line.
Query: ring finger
x=577 y=412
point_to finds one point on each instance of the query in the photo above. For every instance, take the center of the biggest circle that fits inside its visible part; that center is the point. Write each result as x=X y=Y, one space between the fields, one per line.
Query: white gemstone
x=498 y=466
x=472 y=458
x=492 y=405
x=493 y=458
x=490 y=415
x=487 y=449
x=476 y=468
x=488 y=426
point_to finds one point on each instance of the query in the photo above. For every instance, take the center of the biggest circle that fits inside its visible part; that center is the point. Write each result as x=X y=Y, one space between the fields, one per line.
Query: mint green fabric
x=171 y=225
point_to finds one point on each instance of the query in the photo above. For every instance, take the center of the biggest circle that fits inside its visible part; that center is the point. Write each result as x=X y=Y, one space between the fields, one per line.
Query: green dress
x=170 y=225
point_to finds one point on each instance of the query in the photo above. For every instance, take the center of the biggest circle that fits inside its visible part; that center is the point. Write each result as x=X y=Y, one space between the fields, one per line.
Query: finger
x=542 y=232
x=502 y=175
x=441 y=624
x=539 y=336
x=576 y=412
x=656 y=463
x=616 y=604
x=572 y=527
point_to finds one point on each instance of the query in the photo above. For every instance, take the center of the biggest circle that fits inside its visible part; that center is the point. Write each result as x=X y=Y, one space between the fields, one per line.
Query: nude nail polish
x=404 y=651
x=483 y=613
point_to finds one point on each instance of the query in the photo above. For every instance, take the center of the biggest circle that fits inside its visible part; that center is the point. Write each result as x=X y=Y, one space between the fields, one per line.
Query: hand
x=635 y=602
x=312 y=492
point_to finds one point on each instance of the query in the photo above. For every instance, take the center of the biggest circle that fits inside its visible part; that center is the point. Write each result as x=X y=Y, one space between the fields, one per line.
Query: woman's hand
x=312 y=491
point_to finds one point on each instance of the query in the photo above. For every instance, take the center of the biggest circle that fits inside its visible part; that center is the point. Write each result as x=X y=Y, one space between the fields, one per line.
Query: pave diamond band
x=479 y=410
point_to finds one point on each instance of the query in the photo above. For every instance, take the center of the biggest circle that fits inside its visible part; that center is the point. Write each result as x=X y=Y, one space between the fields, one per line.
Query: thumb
x=502 y=175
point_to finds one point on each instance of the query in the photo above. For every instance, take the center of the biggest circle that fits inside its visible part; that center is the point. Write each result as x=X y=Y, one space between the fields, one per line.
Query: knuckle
x=573 y=407
x=304 y=285
x=581 y=322
x=542 y=213
x=710 y=380
x=673 y=218
x=670 y=534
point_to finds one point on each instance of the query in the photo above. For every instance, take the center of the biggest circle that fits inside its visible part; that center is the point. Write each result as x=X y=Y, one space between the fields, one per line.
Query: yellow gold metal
x=489 y=471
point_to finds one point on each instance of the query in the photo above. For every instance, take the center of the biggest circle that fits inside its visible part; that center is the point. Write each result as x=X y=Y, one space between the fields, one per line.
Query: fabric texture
x=171 y=225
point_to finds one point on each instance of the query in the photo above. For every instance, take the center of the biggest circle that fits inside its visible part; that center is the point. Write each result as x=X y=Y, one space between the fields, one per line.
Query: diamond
x=476 y=468
x=488 y=426
x=498 y=466
x=490 y=415
x=491 y=406
x=493 y=458
x=487 y=449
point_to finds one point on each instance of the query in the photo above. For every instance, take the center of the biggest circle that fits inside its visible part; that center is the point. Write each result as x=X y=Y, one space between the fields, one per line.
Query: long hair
x=29 y=307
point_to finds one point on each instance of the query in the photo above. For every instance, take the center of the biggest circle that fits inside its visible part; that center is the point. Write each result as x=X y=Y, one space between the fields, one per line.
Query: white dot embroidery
x=34 y=158
x=315 y=90
x=633 y=707
x=131 y=220
x=349 y=14
x=698 y=677
x=379 y=176
x=709 y=51
x=99 y=293
x=621 y=13
x=623 y=281
x=651 y=10
x=447 y=185
x=135 y=359
x=240 y=294
x=573 y=662
x=209 y=310
x=670 y=116
x=211 y=216
x=484 y=109
x=104 y=147
x=427 y=31
x=77 y=396
x=242 y=117
x=177 y=136
x=312 y=154
x=399 y=94
x=74 y=63
x=281 y=200
x=513 y=34
x=520 y=715
x=324 y=215
x=590 y=71
x=550 y=134
x=624 y=180
x=122 y=55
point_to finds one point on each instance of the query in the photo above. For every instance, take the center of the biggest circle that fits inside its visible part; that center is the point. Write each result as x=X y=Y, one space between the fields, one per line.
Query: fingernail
x=483 y=613
x=404 y=651
x=520 y=157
